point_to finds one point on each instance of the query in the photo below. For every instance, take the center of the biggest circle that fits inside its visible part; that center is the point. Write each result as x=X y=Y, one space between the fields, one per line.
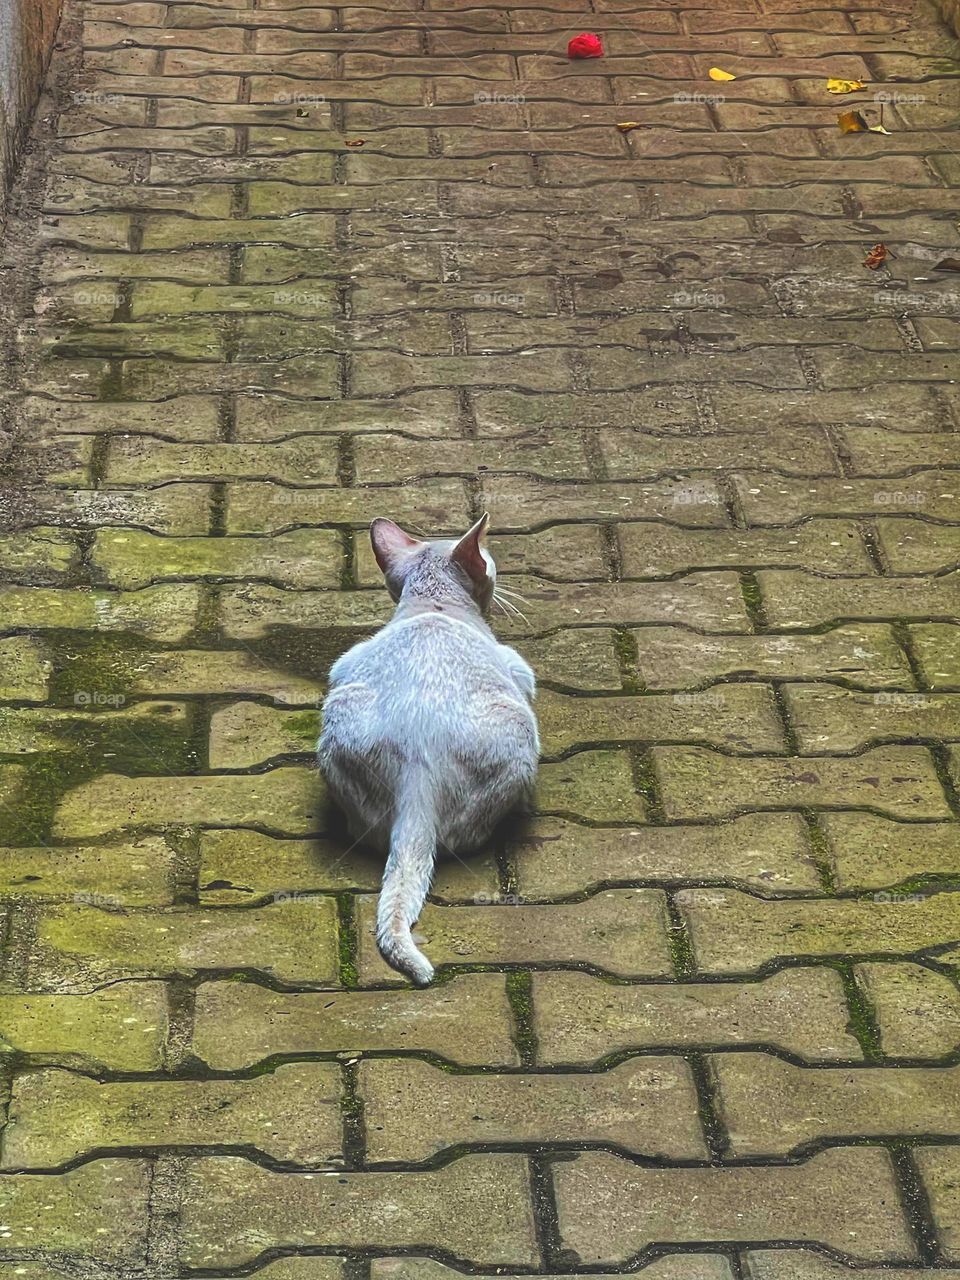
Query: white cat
x=428 y=737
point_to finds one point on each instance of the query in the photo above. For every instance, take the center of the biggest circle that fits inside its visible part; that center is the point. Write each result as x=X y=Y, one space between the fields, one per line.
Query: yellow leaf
x=626 y=125
x=845 y=86
x=716 y=74
x=852 y=122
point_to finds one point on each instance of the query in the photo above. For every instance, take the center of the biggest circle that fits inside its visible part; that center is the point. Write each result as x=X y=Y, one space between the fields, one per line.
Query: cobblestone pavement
x=281 y=269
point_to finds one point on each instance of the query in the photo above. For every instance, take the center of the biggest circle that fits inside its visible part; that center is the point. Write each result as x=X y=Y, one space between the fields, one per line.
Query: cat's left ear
x=468 y=553
x=390 y=541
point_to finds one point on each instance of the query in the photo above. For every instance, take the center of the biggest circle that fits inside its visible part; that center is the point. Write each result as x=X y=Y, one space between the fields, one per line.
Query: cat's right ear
x=389 y=542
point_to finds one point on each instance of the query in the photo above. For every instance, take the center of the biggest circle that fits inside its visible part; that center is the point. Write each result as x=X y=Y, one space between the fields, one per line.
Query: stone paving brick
x=254 y=507
x=781 y=500
x=226 y=671
x=869 y=852
x=139 y=873
x=40 y=729
x=159 y=613
x=310 y=461
x=98 y=1210
x=859 y=654
x=918 y=546
x=694 y=502
x=916 y=1009
x=24 y=672
x=302 y=558
x=246 y=733
x=875 y=451
x=845 y=1199
x=647 y=1106
x=238 y=867
x=654 y=550
x=732 y=932
x=466 y=1021
x=901 y=782
x=792 y=598
x=678 y=1266
x=56 y=1116
x=421 y=413
x=119 y=1028
x=390 y=460
x=936 y=646
x=48 y=555
x=733 y=717
x=801 y=1264
x=306 y=1267
x=707 y=601
x=293 y=942
x=621 y=931
x=769 y=852
x=770 y=1107
x=598 y=786
x=827 y=719
x=575 y=659
x=252 y=612
x=285 y=800
x=940 y=1171
x=184 y=418
x=581 y=1019
x=172 y=509
x=234 y=1210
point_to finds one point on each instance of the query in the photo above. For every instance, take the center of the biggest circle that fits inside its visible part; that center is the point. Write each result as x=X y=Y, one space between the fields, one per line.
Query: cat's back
x=429 y=653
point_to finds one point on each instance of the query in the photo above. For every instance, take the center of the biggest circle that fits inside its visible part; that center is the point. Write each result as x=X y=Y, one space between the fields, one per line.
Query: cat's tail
x=407 y=875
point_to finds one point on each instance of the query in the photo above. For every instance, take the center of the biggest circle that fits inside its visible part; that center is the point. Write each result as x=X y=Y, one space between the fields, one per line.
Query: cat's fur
x=429 y=738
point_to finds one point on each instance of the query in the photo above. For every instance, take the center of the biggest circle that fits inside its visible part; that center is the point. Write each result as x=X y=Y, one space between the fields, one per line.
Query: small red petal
x=585 y=45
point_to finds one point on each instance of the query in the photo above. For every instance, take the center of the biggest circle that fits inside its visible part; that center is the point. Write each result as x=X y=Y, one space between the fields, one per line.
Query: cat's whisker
x=507 y=591
x=508 y=604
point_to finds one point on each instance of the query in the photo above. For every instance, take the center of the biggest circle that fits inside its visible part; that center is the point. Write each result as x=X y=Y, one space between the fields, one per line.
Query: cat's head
x=437 y=569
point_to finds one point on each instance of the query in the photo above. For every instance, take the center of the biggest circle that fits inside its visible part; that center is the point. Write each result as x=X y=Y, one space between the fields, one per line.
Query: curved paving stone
x=732 y=717
x=847 y=1200
x=290 y=1115
x=899 y=781
x=286 y=800
x=770 y=852
x=869 y=852
x=772 y=1107
x=122 y=1027
x=622 y=931
x=292 y=941
x=647 y=1106
x=136 y=873
x=240 y=867
x=840 y=720
x=733 y=932
x=98 y=1211
x=235 y=1210
x=581 y=1019
x=239 y=1024
x=916 y=1009
x=940 y=1171
x=686 y=1266
x=800 y=1264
